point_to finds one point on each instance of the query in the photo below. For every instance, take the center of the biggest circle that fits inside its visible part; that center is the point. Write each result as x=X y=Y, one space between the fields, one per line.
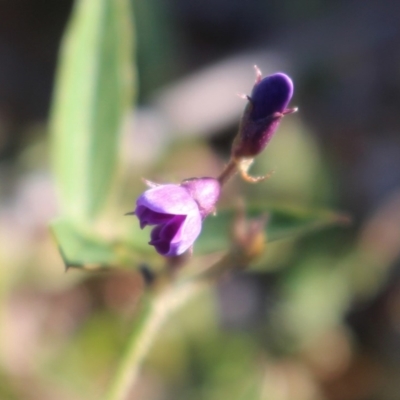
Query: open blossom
x=176 y=212
x=266 y=107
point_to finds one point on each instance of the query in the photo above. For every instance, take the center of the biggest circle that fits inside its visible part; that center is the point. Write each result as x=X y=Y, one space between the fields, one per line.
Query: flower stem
x=230 y=169
x=154 y=316
x=248 y=244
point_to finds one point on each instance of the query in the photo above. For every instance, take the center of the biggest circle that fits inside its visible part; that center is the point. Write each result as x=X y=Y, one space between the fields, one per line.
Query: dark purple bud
x=176 y=212
x=267 y=105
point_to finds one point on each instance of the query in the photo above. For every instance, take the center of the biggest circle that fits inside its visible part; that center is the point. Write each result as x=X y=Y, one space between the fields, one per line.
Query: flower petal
x=177 y=211
x=168 y=199
x=171 y=230
x=163 y=235
x=186 y=235
x=150 y=217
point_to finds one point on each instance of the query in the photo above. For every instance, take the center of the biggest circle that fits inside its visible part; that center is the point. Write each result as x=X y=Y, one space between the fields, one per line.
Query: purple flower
x=176 y=212
x=267 y=105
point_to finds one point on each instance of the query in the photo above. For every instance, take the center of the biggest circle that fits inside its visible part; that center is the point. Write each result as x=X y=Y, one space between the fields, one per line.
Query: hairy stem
x=156 y=314
x=230 y=170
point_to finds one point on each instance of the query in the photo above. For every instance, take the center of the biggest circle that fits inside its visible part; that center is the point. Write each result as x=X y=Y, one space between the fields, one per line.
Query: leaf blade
x=92 y=95
x=283 y=221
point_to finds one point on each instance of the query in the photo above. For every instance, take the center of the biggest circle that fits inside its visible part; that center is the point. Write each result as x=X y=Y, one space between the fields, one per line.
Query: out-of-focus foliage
x=314 y=318
x=80 y=248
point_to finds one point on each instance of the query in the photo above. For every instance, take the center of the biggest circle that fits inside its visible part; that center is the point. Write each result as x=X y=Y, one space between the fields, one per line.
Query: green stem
x=142 y=337
x=171 y=299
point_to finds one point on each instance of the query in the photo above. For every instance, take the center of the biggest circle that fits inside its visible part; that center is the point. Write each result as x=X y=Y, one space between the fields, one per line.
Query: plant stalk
x=160 y=309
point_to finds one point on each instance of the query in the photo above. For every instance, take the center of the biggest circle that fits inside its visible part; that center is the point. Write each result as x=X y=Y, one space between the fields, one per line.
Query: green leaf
x=79 y=248
x=283 y=221
x=92 y=95
x=83 y=249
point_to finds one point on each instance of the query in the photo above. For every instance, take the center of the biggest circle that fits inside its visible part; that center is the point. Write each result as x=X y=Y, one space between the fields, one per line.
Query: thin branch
x=142 y=337
x=230 y=169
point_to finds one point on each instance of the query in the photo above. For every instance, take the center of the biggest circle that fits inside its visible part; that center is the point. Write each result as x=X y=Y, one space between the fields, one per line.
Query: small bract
x=176 y=212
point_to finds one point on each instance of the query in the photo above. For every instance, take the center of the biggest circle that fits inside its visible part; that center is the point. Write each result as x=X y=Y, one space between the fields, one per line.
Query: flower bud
x=267 y=105
x=176 y=212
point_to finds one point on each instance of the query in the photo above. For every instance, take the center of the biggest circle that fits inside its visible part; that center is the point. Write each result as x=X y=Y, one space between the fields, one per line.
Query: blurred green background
x=315 y=318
